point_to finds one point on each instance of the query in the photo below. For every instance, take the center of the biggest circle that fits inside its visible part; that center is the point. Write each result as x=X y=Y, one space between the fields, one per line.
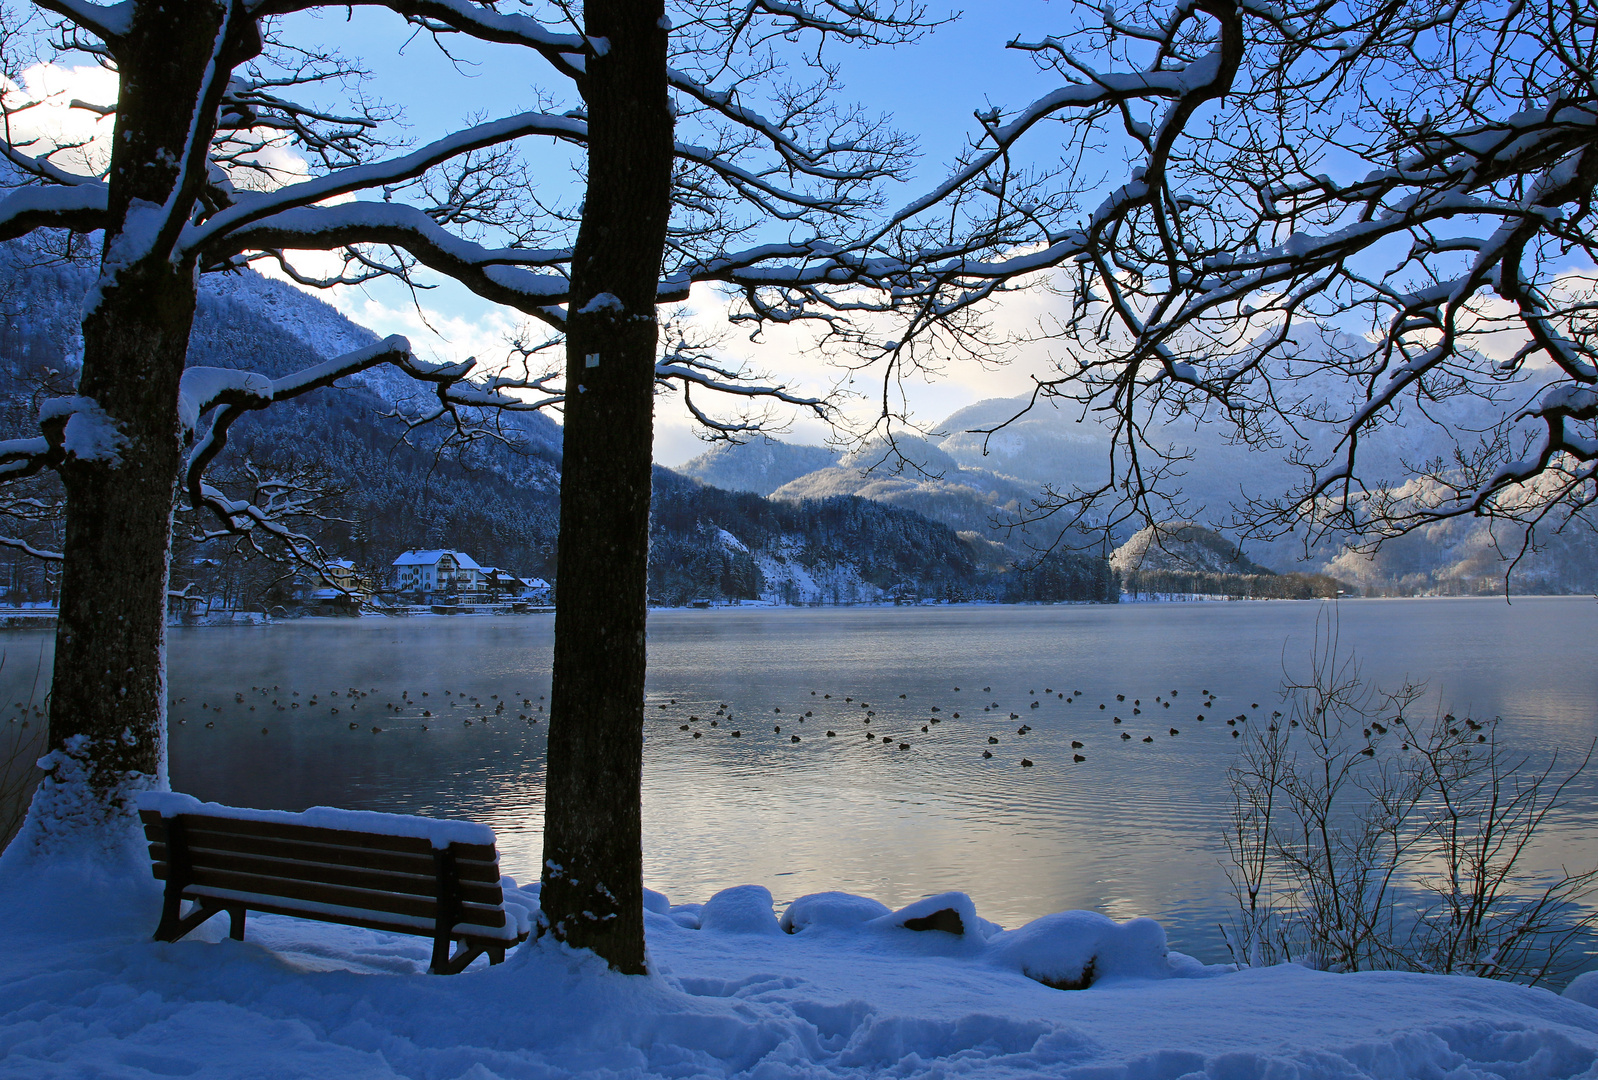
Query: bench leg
x=454 y=965
x=236 y=923
x=440 y=962
x=173 y=928
x=171 y=914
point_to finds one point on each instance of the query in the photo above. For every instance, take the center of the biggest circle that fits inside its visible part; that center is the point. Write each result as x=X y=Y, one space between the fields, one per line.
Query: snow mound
x=84 y=992
x=831 y=911
x=742 y=909
x=1584 y=988
x=1072 y=950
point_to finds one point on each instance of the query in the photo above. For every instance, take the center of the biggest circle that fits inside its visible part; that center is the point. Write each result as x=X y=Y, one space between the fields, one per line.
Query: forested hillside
x=382 y=490
x=716 y=544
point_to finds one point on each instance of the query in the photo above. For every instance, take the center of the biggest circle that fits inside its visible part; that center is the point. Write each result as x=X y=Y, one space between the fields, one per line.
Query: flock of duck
x=347 y=703
x=723 y=720
x=358 y=710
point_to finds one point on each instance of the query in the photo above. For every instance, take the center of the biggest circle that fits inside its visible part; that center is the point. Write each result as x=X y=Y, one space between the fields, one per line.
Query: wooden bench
x=406 y=875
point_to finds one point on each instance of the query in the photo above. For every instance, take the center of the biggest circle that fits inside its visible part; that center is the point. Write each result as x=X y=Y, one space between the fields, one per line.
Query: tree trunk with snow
x=123 y=433
x=592 y=893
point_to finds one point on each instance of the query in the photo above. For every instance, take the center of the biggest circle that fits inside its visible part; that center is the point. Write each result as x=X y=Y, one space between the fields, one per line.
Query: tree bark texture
x=108 y=697
x=592 y=894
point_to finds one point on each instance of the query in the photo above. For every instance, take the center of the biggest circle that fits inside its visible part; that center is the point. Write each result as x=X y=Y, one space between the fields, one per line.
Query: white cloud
x=434 y=335
x=792 y=356
x=42 y=114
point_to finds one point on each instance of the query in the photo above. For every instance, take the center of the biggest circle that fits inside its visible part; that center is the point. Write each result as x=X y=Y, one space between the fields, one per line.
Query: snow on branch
x=474 y=20
x=498 y=274
x=109 y=23
x=81 y=208
x=1323 y=229
x=228 y=394
x=45 y=554
x=250 y=209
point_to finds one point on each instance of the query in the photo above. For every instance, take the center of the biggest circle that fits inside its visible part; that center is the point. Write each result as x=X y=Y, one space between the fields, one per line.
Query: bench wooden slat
x=333 y=854
x=367 y=920
x=383 y=881
x=320 y=834
x=413 y=884
x=314 y=892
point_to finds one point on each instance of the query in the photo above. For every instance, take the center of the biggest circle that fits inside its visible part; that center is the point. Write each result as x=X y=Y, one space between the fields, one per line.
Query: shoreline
x=45 y=618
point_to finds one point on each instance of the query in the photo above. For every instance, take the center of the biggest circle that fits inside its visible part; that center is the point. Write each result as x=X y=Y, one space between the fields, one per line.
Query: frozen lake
x=1135 y=829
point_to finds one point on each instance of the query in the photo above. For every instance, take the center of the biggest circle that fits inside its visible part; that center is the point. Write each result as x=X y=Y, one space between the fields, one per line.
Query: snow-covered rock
x=950 y=912
x=1072 y=950
x=742 y=909
x=1584 y=988
x=831 y=911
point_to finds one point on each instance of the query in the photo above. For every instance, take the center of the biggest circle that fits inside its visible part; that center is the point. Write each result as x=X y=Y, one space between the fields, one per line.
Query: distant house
x=341 y=589
x=512 y=587
x=338 y=589
x=343 y=575
x=440 y=571
x=502 y=584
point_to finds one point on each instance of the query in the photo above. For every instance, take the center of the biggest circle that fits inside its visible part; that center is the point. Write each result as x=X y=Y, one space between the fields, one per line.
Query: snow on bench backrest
x=439 y=833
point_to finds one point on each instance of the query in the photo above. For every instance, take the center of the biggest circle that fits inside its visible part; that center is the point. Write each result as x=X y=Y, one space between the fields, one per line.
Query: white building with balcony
x=441 y=571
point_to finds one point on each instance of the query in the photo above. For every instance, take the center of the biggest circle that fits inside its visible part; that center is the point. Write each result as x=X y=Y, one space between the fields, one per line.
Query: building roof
x=430 y=558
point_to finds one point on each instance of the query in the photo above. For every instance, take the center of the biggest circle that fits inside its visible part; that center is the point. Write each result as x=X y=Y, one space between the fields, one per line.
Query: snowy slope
x=85 y=993
x=760 y=465
x=328 y=333
x=790 y=576
x=1183 y=547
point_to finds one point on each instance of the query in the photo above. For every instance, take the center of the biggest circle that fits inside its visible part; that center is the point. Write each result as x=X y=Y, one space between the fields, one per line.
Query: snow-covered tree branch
x=1335 y=222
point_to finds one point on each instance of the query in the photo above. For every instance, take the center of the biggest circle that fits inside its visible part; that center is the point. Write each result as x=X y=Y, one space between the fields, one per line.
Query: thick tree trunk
x=593 y=858
x=124 y=437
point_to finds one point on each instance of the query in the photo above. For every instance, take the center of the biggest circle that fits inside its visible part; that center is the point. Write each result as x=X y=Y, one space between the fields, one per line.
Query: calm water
x=1133 y=830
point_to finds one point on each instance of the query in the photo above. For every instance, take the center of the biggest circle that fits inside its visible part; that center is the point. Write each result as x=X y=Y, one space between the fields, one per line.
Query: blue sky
x=930 y=88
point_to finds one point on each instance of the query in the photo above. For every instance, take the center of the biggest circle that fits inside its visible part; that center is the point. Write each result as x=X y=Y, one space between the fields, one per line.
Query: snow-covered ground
x=85 y=993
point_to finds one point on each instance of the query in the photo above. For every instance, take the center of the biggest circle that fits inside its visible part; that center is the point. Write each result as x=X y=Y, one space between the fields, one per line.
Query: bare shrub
x=1360 y=838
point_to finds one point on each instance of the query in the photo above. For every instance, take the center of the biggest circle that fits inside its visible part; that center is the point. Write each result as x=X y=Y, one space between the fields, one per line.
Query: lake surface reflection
x=1135 y=829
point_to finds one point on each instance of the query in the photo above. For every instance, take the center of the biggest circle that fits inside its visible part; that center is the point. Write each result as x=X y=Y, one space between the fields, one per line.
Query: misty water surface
x=1135 y=829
